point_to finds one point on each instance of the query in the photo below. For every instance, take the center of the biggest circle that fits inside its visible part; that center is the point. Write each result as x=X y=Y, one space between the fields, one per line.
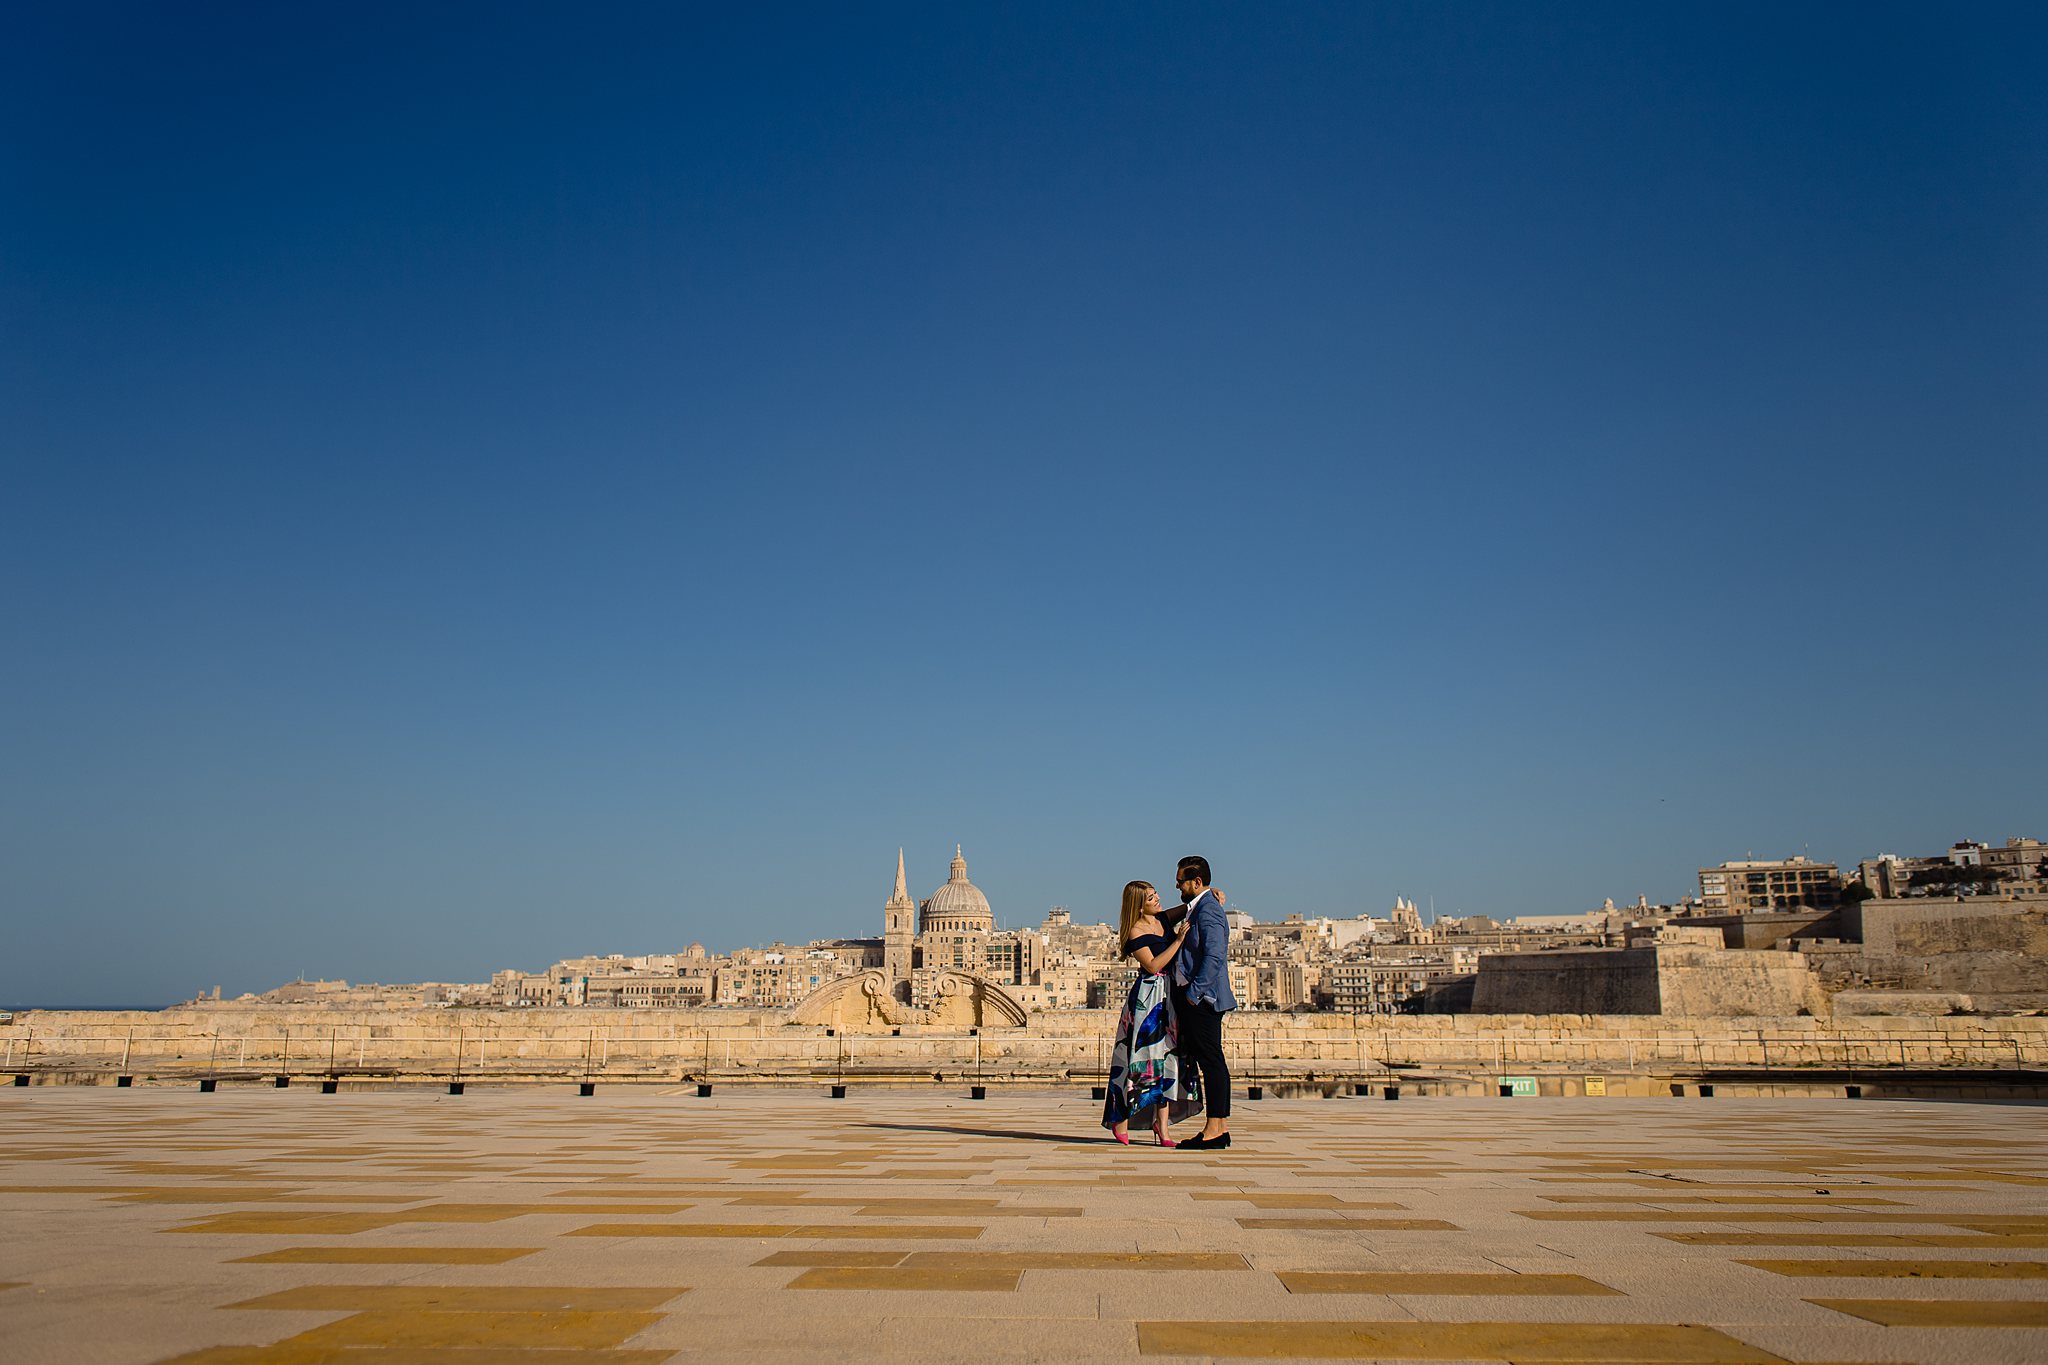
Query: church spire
x=959 y=865
x=899 y=931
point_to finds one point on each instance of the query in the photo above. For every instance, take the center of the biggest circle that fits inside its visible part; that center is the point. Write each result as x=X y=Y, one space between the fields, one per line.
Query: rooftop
x=273 y=1226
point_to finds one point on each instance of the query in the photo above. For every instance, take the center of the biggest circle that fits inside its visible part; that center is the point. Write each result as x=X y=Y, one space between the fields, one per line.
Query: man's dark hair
x=1200 y=866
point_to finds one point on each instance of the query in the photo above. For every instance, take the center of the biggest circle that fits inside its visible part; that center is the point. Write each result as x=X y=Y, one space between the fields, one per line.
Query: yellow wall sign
x=1596 y=1085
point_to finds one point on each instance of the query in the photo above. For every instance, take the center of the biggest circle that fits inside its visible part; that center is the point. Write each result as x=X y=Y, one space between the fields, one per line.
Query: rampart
x=1067 y=1048
x=1685 y=980
x=1994 y=951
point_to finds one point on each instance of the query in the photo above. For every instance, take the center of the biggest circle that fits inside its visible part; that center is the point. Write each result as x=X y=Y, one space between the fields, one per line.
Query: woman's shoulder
x=1155 y=942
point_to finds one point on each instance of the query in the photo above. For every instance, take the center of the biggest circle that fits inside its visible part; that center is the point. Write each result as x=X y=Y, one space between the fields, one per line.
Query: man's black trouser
x=1201 y=1042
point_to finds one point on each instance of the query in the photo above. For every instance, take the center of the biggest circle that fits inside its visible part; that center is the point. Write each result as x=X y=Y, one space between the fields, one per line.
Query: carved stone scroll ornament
x=865 y=1003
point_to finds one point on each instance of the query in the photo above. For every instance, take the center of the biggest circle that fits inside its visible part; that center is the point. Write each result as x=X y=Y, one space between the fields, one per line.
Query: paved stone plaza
x=538 y=1226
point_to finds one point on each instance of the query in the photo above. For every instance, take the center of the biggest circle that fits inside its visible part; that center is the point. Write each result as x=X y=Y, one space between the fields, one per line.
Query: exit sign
x=1519 y=1086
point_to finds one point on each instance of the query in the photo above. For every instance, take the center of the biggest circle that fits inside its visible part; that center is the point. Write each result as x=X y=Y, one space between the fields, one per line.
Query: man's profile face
x=1189 y=881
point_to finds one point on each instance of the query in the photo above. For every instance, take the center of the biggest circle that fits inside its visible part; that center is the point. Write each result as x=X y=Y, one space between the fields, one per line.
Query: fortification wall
x=1992 y=952
x=1568 y=981
x=1072 y=1046
x=1660 y=979
x=1736 y=983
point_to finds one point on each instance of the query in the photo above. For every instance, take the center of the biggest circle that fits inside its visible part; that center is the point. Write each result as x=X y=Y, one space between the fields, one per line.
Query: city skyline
x=1005 y=923
x=481 y=489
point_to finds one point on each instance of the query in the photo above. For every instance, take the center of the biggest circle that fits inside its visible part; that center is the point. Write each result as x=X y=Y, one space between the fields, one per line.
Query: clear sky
x=485 y=483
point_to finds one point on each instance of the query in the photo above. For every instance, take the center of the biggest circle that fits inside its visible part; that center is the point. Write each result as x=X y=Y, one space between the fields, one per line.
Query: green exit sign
x=1518 y=1086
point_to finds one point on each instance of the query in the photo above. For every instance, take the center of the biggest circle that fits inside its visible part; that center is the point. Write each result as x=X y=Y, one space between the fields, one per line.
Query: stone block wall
x=1736 y=983
x=1675 y=978
x=1063 y=1048
x=1994 y=952
x=1568 y=981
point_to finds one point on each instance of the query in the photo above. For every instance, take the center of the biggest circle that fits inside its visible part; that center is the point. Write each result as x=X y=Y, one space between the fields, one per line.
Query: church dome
x=958 y=906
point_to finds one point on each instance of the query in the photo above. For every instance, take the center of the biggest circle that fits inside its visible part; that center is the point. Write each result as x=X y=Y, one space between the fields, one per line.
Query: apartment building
x=1748 y=887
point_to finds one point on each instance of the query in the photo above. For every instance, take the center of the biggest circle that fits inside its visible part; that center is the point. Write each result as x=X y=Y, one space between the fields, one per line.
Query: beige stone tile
x=1981 y=1241
x=973 y=1278
x=301 y=1353
x=1943 y=1312
x=1834 y=1200
x=643 y=1192
x=803 y=1259
x=1290 y=1201
x=1517 y=1341
x=370 y=1255
x=1396 y=1282
x=926 y=1337
x=276 y=1223
x=417 y=1298
x=1351 y=1224
x=470 y=1329
x=873 y=1231
x=1907 y=1270
x=1085 y=1260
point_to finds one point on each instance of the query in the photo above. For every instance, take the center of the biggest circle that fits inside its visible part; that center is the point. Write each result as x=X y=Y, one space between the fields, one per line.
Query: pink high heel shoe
x=1124 y=1138
x=1164 y=1140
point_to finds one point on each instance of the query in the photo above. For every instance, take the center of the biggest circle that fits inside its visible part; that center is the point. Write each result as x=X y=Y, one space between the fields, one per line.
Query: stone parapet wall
x=1070 y=1046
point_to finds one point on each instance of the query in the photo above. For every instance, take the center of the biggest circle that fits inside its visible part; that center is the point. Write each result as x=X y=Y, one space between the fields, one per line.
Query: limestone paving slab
x=260 y=1227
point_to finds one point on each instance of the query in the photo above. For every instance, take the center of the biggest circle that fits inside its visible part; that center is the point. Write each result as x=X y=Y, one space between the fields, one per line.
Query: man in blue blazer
x=1201 y=997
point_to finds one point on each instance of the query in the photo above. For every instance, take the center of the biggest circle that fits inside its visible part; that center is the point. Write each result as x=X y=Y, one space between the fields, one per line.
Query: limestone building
x=958 y=907
x=1740 y=888
x=934 y=965
x=954 y=926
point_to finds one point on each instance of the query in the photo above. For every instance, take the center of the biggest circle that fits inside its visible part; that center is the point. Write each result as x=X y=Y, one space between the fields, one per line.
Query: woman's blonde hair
x=1134 y=910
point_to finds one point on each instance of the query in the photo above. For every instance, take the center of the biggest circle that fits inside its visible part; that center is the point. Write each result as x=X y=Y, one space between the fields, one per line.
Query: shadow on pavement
x=1013 y=1135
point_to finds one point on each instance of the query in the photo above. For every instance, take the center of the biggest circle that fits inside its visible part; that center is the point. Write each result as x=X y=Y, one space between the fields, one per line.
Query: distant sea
x=107 y=1009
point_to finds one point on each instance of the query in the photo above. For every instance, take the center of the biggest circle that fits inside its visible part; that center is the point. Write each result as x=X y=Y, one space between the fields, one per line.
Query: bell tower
x=899 y=921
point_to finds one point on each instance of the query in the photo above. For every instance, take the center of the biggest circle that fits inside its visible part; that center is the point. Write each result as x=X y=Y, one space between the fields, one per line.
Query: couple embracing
x=1168 y=1064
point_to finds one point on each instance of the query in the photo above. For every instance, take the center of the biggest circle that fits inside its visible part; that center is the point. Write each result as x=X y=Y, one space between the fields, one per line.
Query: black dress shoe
x=1202 y=1144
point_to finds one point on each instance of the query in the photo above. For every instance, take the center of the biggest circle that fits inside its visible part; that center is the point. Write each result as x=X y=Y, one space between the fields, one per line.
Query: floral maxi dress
x=1144 y=1070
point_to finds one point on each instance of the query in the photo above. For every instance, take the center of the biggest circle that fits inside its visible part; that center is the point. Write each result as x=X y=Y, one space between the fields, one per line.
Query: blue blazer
x=1203 y=963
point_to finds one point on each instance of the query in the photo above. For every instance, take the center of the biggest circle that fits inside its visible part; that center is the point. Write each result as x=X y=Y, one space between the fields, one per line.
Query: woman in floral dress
x=1146 y=1081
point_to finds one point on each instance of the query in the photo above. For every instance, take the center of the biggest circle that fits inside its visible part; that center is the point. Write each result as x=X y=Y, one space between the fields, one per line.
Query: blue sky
x=489 y=483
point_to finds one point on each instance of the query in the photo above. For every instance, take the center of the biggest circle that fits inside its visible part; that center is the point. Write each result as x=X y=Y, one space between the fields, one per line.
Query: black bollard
x=1507 y=1092
x=1392 y=1092
x=703 y=1090
x=1255 y=1092
x=206 y=1087
x=1849 y=1092
x=1100 y=1092
x=977 y=1092
x=587 y=1089
x=123 y=1082
x=1706 y=1092
x=838 y=1092
x=455 y=1087
x=21 y=1078
x=329 y=1087
x=284 y=1083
